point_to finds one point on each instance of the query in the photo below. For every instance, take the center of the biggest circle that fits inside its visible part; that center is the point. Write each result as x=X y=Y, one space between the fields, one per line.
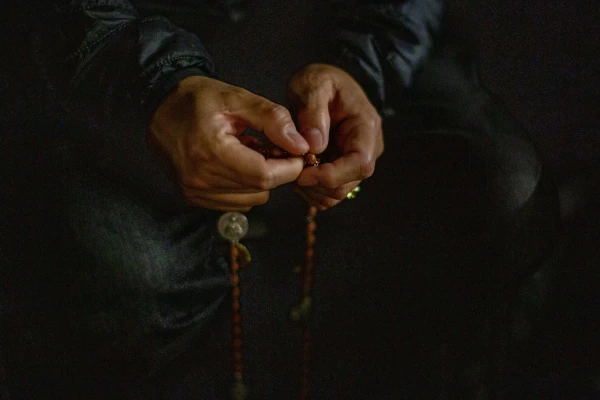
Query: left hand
x=326 y=98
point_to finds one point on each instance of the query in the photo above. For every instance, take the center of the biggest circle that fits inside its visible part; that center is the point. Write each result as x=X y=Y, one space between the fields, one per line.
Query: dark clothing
x=102 y=59
x=113 y=288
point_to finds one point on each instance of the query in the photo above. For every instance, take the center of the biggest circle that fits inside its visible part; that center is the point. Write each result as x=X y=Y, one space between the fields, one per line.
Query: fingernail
x=296 y=137
x=314 y=137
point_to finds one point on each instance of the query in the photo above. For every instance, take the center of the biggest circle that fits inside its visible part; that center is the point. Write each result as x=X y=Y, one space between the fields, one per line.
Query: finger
x=316 y=199
x=314 y=119
x=356 y=164
x=248 y=168
x=219 y=185
x=230 y=201
x=348 y=168
x=272 y=119
x=339 y=193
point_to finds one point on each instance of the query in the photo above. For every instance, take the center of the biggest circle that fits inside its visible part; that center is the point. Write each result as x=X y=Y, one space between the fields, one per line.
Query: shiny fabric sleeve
x=382 y=43
x=103 y=54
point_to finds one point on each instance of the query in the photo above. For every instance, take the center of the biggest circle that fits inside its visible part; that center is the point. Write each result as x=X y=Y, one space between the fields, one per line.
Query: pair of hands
x=198 y=127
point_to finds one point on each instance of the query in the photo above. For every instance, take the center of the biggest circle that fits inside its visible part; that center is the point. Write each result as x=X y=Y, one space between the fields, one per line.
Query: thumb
x=273 y=120
x=314 y=120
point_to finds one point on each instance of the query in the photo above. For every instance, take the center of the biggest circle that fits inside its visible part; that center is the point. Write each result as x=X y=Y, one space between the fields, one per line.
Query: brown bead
x=235 y=305
x=309 y=253
x=237 y=318
x=235 y=280
x=312 y=211
x=236 y=293
x=308 y=279
x=237 y=368
x=311 y=227
x=234 y=252
x=237 y=343
x=276 y=152
x=237 y=330
x=310 y=159
x=308 y=266
x=311 y=239
x=237 y=356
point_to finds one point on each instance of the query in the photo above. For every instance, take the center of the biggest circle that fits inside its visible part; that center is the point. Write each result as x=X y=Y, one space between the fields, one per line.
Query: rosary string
x=233 y=226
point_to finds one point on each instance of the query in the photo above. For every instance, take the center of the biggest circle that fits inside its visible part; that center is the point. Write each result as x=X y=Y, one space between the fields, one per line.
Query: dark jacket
x=103 y=58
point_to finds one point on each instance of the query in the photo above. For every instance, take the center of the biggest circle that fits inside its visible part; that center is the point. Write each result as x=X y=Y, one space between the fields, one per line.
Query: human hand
x=197 y=127
x=325 y=97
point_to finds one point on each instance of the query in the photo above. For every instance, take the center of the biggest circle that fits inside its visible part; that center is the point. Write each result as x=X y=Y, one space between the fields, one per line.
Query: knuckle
x=264 y=181
x=278 y=113
x=366 y=168
x=187 y=182
x=339 y=193
x=262 y=199
x=190 y=182
x=329 y=202
x=373 y=122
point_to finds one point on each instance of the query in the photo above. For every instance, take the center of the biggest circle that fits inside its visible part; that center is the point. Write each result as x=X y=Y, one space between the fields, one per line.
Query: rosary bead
x=311 y=227
x=239 y=391
x=312 y=211
x=311 y=159
x=309 y=253
x=233 y=226
x=308 y=280
x=276 y=152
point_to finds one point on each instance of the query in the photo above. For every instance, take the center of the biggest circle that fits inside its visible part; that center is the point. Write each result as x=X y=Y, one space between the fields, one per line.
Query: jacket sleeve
x=382 y=43
x=101 y=56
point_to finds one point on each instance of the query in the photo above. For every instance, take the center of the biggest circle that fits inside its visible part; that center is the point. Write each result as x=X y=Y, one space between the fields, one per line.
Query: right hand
x=197 y=127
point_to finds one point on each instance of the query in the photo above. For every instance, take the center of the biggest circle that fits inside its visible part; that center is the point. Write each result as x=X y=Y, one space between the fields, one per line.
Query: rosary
x=233 y=226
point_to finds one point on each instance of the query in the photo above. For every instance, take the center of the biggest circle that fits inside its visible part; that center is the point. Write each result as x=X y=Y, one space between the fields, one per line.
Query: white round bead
x=233 y=226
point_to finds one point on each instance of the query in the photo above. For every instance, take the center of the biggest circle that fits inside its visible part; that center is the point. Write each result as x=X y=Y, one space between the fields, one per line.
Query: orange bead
x=234 y=252
x=308 y=279
x=311 y=227
x=312 y=211
x=235 y=280
x=309 y=253
x=276 y=152
x=311 y=239
x=310 y=159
